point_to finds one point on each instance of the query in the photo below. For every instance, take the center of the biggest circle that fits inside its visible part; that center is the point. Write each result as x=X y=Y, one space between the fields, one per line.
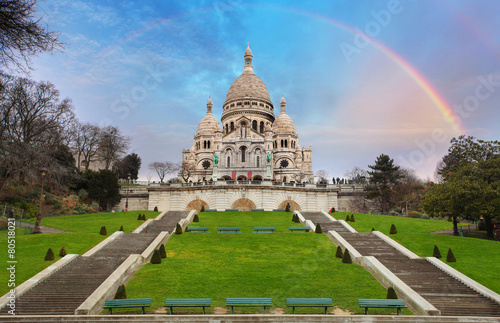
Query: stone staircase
x=443 y=291
x=64 y=291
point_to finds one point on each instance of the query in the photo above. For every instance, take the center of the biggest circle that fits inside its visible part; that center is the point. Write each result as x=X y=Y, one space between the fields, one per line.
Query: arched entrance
x=243 y=205
x=293 y=205
x=257 y=178
x=226 y=178
x=196 y=205
x=242 y=178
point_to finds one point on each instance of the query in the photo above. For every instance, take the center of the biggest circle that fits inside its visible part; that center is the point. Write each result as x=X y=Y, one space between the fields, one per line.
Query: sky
x=361 y=78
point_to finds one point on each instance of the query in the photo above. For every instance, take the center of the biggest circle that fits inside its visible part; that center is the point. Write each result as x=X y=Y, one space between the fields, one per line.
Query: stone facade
x=251 y=144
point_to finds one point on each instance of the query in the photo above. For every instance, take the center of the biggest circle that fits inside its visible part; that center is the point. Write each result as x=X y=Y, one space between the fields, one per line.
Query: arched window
x=232 y=126
x=227 y=128
x=208 y=144
x=262 y=127
x=243 y=153
x=204 y=144
x=286 y=143
x=282 y=143
x=228 y=161
x=258 y=161
x=254 y=125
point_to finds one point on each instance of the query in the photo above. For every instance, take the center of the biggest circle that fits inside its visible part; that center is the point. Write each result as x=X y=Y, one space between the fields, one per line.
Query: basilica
x=251 y=144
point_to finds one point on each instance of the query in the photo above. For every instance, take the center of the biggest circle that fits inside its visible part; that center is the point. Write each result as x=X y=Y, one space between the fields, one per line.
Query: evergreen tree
x=318 y=228
x=347 y=218
x=103 y=231
x=393 y=229
x=49 y=255
x=202 y=208
x=450 y=257
x=163 y=252
x=156 y=209
x=346 y=259
x=352 y=218
x=391 y=293
x=196 y=218
x=339 y=253
x=121 y=228
x=384 y=176
x=287 y=209
x=121 y=293
x=178 y=229
x=156 y=259
x=436 y=253
x=62 y=252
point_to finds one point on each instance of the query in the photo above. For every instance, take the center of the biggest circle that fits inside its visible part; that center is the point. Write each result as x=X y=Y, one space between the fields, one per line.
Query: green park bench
x=306 y=229
x=228 y=229
x=249 y=302
x=231 y=209
x=263 y=229
x=257 y=209
x=127 y=303
x=382 y=303
x=210 y=210
x=197 y=229
x=279 y=210
x=309 y=302
x=187 y=302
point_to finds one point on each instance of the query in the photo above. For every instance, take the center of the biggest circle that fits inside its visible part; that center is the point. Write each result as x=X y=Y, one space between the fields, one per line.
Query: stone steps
x=69 y=287
x=446 y=293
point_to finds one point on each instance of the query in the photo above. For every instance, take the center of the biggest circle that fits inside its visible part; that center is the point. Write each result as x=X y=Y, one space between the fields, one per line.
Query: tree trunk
x=489 y=227
x=455 y=226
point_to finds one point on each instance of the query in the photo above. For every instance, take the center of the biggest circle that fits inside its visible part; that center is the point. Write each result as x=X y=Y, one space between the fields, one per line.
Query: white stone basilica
x=252 y=144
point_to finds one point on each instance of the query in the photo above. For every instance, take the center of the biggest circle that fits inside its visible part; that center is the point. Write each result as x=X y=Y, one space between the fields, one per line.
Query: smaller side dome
x=283 y=123
x=208 y=125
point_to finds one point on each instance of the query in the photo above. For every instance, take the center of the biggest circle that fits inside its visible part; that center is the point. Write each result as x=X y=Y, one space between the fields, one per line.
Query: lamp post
x=43 y=172
x=128 y=189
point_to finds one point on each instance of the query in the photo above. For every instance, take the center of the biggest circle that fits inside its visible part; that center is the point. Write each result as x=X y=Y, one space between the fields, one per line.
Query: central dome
x=248 y=85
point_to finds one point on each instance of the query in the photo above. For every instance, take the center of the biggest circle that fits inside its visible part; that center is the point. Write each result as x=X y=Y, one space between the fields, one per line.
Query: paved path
x=68 y=288
x=446 y=293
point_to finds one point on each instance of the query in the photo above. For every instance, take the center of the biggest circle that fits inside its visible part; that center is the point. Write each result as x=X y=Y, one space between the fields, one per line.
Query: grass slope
x=83 y=234
x=479 y=259
x=277 y=265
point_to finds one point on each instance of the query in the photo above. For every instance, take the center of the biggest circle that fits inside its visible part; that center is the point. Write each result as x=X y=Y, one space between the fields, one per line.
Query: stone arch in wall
x=294 y=206
x=196 y=205
x=243 y=204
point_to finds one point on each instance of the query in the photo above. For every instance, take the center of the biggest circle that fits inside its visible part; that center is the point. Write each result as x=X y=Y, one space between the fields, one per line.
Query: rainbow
x=445 y=109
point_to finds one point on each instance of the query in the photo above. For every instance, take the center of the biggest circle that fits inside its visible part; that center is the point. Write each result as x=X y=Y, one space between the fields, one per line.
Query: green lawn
x=278 y=265
x=83 y=234
x=479 y=259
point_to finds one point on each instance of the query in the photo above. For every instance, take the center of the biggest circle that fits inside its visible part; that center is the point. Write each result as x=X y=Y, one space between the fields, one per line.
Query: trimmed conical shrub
x=391 y=293
x=156 y=259
x=393 y=229
x=287 y=209
x=436 y=253
x=196 y=218
x=121 y=228
x=62 y=252
x=339 y=253
x=103 y=231
x=49 y=255
x=139 y=217
x=202 y=208
x=450 y=257
x=156 y=209
x=346 y=258
x=295 y=218
x=347 y=219
x=121 y=293
x=178 y=229
x=352 y=218
x=163 y=252
x=373 y=229
x=318 y=228
x=143 y=217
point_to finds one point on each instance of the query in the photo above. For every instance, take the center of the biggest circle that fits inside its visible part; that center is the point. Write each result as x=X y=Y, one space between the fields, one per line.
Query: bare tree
x=33 y=128
x=163 y=168
x=86 y=139
x=22 y=34
x=186 y=171
x=322 y=175
x=357 y=175
x=112 y=146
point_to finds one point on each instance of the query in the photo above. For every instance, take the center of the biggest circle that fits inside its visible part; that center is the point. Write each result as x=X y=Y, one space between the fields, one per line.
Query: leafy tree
x=384 y=176
x=103 y=187
x=23 y=34
x=130 y=164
